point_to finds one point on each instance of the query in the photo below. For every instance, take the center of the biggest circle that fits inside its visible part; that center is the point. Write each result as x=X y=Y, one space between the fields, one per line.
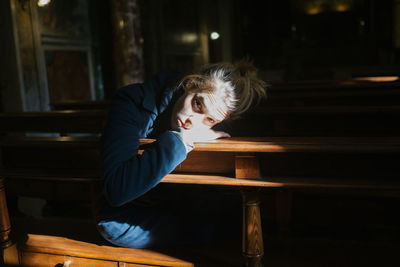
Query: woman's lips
x=181 y=124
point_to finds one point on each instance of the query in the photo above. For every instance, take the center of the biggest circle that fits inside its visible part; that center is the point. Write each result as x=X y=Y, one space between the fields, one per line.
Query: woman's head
x=218 y=92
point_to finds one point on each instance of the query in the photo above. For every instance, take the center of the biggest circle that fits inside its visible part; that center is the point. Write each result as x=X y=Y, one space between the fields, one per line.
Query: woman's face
x=198 y=110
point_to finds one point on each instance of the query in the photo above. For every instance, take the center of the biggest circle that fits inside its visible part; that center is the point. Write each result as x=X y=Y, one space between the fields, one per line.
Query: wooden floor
x=296 y=251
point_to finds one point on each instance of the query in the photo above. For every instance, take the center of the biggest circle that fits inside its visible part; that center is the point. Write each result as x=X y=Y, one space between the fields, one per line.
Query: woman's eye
x=210 y=120
x=197 y=104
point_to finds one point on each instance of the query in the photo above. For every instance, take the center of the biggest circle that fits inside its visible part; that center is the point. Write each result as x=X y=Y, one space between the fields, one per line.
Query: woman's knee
x=125 y=235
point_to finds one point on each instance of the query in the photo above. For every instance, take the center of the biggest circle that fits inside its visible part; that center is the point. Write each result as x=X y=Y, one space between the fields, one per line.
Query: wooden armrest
x=298 y=144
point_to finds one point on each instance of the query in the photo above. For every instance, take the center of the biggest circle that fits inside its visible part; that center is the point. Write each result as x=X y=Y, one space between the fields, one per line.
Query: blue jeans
x=169 y=223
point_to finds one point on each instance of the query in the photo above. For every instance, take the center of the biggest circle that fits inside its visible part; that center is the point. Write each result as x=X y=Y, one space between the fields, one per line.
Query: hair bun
x=245 y=68
x=249 y=88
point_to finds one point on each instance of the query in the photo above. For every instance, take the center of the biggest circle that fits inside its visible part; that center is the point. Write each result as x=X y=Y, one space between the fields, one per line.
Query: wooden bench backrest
x=261 y=121
x=86 y=121
x=334 y=93
x=318 y=121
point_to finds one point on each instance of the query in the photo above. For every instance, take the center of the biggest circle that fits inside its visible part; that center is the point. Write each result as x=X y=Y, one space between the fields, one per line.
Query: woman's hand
x=202 y=135
x=190 y=136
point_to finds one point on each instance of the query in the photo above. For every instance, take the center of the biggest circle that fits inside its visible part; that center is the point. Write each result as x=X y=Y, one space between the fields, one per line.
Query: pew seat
x=44 y=250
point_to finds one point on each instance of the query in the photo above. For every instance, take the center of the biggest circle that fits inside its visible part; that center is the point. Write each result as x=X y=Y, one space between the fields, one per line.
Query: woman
x=177 y=114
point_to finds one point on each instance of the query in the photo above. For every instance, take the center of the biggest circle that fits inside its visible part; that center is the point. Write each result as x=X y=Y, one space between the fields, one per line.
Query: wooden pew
x=318 y=121
x=366 y=91
x=365 y=107
x=37 y=179
x=239 y=162
x=43 y=250
x=61 y=160
x=238 y=157
x=260 y=121
x=66 y=121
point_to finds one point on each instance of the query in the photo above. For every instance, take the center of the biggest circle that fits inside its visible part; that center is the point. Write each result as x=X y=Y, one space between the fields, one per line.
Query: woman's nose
x=193 y=121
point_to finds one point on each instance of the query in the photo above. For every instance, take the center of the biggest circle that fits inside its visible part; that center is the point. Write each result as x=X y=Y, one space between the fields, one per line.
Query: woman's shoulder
x=155 y=83
x=165 y=78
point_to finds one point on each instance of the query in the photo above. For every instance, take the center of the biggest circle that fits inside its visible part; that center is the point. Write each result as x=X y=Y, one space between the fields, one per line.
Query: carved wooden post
x=247 y=167
x=128 y=52
x=5 y=226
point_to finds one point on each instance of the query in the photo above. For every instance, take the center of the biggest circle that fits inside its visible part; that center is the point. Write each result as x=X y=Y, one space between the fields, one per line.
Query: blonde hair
x=237 y=84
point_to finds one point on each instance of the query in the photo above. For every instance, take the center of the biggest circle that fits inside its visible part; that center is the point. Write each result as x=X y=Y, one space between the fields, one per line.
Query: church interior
x=313 y=174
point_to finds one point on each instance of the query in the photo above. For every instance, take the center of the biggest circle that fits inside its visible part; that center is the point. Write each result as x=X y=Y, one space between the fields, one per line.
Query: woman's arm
x=126 y=174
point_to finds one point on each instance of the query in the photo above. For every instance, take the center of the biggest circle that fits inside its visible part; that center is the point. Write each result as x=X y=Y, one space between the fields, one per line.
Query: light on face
x=42 y=3
x=214 y=35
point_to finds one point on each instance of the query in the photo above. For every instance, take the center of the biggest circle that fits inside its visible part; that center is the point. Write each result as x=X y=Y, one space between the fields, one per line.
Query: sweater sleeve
x=126 y=174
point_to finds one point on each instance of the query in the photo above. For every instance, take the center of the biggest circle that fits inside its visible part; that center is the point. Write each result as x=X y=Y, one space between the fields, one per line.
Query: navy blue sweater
x=133 y=115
